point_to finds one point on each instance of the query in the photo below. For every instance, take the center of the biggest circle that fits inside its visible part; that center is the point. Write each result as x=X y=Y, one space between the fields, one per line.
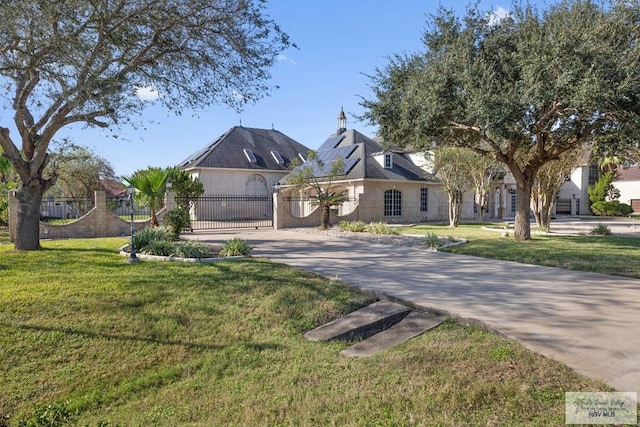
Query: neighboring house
x=114 y=189
x=573 y=198
x=385 y=185
x=628 y=182
x=244 y=161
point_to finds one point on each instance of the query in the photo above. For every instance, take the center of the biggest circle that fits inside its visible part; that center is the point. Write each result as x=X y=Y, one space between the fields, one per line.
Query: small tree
x=547 y=186
x=483 y=171
x=452 y=166
x=186 y=187
x=152 y=185
x=603 y=189
x=318 y=177
x=78 y=170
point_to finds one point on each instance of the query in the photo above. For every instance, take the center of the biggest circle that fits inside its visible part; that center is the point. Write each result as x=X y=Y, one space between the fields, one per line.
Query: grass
x=222 y=344
x=607 y=255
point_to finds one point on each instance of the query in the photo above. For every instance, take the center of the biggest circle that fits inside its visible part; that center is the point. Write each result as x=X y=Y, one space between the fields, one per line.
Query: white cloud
x=285 y=58
x=147 y=93
x=497 y=15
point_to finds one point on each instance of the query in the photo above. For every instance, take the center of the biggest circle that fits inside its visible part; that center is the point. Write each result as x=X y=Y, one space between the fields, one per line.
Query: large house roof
x=247 y=148
x=358 y=153
x=632 y=173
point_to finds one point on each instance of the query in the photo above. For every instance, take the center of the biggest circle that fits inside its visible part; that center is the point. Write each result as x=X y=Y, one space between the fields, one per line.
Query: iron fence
x=120 y=206
x=64 y=209
x=61 y=210
x=230 y=211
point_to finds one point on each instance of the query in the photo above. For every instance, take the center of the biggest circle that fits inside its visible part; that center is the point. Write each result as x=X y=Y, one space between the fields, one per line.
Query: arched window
x=256 y=186
x=392 y=203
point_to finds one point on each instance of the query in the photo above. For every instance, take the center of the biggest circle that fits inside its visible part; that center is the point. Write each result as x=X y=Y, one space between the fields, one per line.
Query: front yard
x=109 y=343
x=607 y=255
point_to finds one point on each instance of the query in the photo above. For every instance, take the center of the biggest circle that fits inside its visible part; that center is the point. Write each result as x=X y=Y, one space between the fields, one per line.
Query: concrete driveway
x=584 y=320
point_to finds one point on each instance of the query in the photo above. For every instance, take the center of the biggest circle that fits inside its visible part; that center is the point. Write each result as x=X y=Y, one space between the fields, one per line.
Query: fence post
x=278 y=213
x=170 y=201
x=100 y=225
x=13 y=214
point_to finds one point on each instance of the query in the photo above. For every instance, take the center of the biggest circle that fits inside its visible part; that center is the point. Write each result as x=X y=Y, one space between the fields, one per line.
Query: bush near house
x=611 y=208
x=372 y=227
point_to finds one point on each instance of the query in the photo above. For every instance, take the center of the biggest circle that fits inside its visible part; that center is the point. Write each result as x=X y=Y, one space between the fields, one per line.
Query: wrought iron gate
x=230 y=211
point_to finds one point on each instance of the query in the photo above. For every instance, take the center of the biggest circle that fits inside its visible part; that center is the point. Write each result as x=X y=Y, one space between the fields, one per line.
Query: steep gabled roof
x=247 y=148
x=358 y=152
x=632 y=173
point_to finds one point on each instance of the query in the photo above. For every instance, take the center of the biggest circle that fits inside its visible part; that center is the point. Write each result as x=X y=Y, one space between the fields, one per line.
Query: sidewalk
x=587 y=321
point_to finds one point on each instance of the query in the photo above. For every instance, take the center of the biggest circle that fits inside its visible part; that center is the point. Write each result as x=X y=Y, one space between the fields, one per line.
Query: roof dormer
x=385 y=159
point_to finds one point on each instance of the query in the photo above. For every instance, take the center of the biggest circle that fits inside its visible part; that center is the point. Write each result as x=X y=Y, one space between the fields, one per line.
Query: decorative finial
x=342 y=122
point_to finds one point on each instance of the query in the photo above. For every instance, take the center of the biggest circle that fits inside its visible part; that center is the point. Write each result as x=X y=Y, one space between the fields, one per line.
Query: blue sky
x=338 y=41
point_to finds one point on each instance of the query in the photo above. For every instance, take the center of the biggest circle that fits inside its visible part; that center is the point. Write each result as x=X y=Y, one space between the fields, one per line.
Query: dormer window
x=249 y=155
x=388 y=160
x=277 y=157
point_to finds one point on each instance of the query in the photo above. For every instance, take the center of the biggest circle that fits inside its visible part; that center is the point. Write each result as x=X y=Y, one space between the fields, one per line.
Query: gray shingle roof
x=228 y=151
x=363 y=165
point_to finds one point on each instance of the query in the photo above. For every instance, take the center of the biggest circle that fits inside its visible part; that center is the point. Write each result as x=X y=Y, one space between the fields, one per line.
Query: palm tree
x=152 y=185
x=317 y=177
x=325 y=199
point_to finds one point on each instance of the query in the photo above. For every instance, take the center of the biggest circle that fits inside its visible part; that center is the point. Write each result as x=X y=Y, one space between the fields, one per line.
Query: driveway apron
x=587 y=321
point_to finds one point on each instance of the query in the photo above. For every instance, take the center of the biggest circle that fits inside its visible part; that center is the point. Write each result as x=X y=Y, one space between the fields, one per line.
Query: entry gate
x=230 y=211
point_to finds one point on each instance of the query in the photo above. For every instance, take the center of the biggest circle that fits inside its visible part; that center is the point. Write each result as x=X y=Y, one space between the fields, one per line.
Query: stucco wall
x=98 y=222
x=628 y=190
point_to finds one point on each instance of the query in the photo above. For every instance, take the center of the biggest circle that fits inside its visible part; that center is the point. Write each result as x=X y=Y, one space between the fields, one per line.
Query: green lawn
x=607 y=255
x=222 y=344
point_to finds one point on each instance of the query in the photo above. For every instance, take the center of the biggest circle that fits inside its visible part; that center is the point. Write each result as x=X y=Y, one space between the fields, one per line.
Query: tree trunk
x=28 y=227
x=547 y=208
x=482 y=202
x=324 y=218
x=522 y=225
x=455 y=207
x=537 y=209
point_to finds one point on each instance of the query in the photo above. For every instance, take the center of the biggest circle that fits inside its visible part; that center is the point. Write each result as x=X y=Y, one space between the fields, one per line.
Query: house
x=573 y=198
x=244 y=161
x=381 y=184
x=627 y=182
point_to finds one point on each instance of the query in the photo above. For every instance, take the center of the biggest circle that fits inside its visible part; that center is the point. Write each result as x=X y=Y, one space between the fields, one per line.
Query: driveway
x=587 y=321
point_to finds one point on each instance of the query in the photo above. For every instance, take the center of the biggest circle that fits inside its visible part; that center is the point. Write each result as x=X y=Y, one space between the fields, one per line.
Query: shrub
x=177 y=221
x=159 y=247
x=612 y=208
x=142 y=238
x=235 y=247
x=192 y=249
x=353 y=226
x=600 y=230
x=51 y=415
x=431 y=240
x=380 y=228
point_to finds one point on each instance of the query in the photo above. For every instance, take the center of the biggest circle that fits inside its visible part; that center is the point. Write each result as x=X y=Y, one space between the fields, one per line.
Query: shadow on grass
x=256 y=346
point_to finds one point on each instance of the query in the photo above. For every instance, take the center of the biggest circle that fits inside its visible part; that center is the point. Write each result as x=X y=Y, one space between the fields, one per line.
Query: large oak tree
x=82 y=61
x=523 y=89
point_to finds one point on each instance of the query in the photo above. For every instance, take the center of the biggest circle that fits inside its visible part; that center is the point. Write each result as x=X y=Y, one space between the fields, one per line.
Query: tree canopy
x=523 y=89
x=83 y=61
x=79 y=170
